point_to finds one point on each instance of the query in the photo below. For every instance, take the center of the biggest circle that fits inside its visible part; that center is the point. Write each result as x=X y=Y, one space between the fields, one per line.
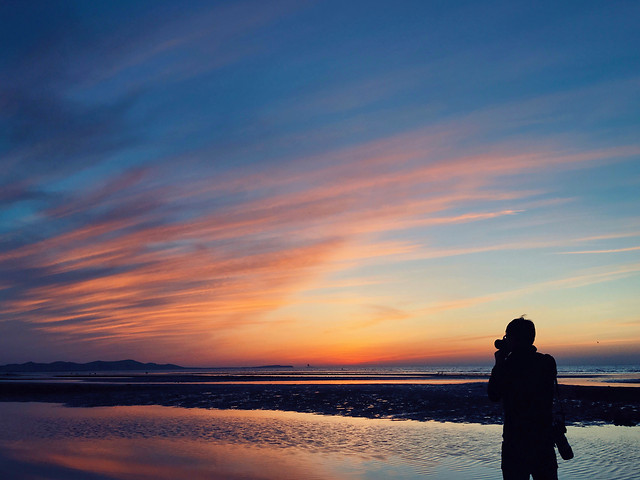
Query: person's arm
x=552 y=370
x=496 y=380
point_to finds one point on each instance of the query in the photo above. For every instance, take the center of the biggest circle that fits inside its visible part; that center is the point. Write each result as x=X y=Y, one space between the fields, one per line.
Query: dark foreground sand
x=466 y=402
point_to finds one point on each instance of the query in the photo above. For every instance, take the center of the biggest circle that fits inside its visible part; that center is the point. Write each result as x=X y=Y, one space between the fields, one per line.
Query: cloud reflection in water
x=46 y=441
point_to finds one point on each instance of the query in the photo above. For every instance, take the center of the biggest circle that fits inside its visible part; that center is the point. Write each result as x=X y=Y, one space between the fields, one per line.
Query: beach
x=53 y=442
x=290 y=425
x=452 y=398
x=292 y=240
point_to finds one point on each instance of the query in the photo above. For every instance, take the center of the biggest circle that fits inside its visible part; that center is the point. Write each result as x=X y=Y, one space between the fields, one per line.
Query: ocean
x=620 y=375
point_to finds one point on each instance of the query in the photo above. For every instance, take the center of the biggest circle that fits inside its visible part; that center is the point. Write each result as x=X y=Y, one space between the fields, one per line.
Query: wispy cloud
x=55 y=122
x=575 y=281
x=610 y=250
x=175 y=174
x=138 y=257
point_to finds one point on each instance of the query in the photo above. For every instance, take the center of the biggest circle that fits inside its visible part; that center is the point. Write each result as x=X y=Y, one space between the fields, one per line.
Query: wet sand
x=458 y=402
x=49 y=441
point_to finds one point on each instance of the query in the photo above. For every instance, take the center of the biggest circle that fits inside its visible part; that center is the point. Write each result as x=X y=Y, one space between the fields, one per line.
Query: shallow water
x=47 y=441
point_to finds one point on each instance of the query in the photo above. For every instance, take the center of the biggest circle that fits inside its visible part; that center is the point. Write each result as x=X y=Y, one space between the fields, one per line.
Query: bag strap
x=559 y=402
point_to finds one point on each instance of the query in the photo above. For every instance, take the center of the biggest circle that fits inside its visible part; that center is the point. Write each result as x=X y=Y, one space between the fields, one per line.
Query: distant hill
x=98 y=366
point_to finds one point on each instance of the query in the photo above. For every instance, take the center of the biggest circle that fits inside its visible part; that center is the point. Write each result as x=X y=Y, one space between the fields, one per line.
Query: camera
x=501 y=344
x=560 y=439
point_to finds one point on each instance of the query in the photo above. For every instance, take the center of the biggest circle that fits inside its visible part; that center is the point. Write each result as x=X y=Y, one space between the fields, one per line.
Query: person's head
x=520 y=333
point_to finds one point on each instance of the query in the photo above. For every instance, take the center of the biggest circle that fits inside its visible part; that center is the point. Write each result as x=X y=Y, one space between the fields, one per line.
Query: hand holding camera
x=502 y=347
x=502 y=344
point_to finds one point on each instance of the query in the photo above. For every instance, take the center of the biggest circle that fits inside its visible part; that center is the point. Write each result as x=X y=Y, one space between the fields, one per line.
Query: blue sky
x=224 y=183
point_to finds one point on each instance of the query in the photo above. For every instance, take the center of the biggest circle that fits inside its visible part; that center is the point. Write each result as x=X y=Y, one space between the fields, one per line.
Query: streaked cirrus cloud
x=254 y=182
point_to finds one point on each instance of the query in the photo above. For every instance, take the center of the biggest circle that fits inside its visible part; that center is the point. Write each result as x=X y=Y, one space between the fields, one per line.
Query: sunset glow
x=248 y=183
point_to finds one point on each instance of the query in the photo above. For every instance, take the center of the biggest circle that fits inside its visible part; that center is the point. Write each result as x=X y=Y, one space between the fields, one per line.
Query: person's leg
x=546 y=475
x=514 y=473
x=546 y=465
x=513 y=465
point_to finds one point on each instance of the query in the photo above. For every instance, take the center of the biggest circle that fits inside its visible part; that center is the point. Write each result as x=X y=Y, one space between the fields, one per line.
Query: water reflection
x=157 y=458
x=52 y=442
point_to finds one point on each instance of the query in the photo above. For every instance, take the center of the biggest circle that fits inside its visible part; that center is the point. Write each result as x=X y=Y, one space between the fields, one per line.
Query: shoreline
x=631 y=380
x=458 y=402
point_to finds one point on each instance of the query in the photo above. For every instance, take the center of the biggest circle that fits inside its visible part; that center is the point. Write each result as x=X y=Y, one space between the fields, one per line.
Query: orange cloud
x=146 y=260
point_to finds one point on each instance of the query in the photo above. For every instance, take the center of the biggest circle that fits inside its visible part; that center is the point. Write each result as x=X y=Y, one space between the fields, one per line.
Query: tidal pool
x=49 y=441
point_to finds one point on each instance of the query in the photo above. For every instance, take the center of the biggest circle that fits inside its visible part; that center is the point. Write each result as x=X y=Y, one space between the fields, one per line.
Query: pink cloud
x=133 y=265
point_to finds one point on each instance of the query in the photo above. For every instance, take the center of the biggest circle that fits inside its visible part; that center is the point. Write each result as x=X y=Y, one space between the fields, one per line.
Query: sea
x=619 y=375
x=50 y=441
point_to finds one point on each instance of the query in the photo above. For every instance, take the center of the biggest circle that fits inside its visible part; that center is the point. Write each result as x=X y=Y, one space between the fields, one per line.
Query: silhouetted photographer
x=525 y=380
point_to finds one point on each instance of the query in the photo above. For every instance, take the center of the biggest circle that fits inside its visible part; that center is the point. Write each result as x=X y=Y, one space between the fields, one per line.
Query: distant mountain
x=99 y=366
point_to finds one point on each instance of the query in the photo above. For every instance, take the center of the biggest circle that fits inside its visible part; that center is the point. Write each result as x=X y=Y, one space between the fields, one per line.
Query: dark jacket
x=525 y=383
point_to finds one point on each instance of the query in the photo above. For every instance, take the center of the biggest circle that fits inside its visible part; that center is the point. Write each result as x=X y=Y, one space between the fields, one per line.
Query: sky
x=318 y=182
